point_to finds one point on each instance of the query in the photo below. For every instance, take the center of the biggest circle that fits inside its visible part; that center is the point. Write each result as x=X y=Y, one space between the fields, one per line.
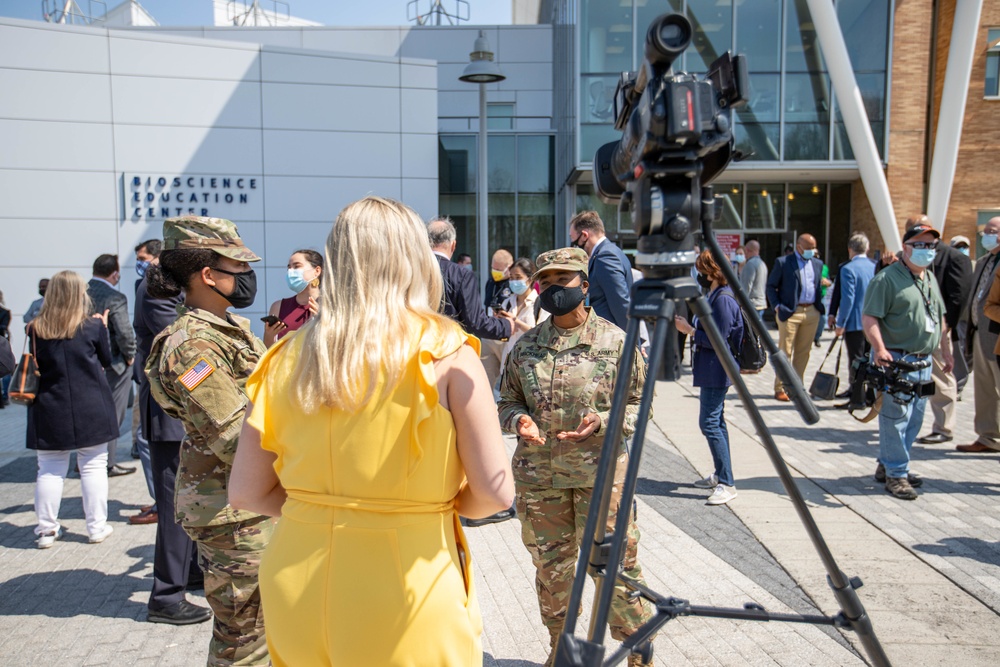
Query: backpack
x=750 y=355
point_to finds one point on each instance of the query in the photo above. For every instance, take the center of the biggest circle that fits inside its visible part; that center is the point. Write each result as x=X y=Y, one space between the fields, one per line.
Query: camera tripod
x=601 y=554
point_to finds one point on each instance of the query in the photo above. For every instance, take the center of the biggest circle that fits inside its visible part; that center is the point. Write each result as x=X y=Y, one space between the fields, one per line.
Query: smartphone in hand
x=270 y=320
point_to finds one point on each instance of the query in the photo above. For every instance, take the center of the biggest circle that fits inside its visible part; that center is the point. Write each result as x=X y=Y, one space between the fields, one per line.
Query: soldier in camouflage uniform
x=555 y=394
x=197 y=370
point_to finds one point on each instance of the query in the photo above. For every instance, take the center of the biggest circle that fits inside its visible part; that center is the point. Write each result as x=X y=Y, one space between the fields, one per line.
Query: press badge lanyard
x=930 y=326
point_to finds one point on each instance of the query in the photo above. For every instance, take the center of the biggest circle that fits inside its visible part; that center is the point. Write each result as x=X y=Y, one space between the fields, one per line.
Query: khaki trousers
x=945 y=395
x=986 y=385
x=491 y=351
x=795 y=339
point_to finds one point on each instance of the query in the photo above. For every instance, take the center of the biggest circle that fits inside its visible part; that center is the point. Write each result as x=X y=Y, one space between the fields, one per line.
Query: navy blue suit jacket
x=461 y=303
x=151 y=317
x=610 y=276
x=784 y=284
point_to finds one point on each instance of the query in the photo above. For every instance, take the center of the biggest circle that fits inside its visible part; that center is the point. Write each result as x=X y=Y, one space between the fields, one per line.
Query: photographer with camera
x=903 y=319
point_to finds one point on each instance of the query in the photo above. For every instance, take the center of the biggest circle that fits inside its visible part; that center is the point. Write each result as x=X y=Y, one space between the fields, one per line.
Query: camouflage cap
x=561 y=259
x=216 y=234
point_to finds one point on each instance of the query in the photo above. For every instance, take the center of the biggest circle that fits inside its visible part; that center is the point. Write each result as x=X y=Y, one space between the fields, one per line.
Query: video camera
x=887 y=379
x=677 y=136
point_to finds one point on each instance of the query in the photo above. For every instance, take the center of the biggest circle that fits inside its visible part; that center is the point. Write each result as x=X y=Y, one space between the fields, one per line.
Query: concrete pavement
x=931 y=567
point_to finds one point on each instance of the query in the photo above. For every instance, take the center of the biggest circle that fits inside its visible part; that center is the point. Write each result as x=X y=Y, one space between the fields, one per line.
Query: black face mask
x=704 y=281
x=560 y=300
x=244 y=292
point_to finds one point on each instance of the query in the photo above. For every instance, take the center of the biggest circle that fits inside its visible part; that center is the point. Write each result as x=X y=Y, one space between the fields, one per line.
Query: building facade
x=104 y=129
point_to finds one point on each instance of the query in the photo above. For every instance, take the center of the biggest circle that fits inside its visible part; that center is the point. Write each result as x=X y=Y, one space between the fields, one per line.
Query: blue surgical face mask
x=923 y=257
x=964 y=251
x=739 y=259
x=989 y=241
x=141 y=266
x=296 y=280
x=808 y=254
x=518 y=287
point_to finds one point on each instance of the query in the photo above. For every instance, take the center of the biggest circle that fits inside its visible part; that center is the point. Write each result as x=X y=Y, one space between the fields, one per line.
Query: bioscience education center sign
x=156 y=197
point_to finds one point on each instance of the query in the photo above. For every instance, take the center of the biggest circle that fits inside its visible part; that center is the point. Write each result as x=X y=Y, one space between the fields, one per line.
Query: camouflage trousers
x=552 y=523
x=229 y=555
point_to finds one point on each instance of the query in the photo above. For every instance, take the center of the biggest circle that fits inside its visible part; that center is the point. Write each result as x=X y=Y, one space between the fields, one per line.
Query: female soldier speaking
x=197 y=369
x=555 y=395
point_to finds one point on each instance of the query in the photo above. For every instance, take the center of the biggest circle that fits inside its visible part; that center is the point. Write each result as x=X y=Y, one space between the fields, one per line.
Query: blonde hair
x=65 y=308
x=382 y=287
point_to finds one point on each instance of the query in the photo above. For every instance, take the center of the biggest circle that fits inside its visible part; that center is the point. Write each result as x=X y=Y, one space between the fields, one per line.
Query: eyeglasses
x=924 y=245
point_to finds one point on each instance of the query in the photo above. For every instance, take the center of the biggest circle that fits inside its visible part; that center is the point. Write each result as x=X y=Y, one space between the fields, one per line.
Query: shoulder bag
x=824 y=386
x=24 y=383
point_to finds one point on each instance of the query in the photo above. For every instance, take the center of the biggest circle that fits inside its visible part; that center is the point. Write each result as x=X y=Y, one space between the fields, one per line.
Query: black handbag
x=824 y=386
x=24 y=383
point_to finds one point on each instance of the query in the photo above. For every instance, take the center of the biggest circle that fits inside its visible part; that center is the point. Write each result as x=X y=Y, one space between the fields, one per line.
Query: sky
x=328 y=12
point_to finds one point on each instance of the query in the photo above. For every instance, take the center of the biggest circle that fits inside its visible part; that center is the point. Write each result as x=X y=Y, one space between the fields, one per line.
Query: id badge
x=930 y=326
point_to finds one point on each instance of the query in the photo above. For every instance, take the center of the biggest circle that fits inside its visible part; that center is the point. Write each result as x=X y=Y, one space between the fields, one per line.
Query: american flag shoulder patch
x=197 y=374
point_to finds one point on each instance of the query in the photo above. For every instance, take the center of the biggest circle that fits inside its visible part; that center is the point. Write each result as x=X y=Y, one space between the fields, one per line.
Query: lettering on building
x=157 y=197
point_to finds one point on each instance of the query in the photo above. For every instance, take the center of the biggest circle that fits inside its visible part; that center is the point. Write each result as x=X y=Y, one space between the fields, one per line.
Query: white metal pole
x=859 y=131
x=961 y=53
x=482 y=195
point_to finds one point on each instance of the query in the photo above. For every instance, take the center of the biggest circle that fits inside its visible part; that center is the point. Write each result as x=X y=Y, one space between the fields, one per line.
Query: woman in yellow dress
x=371 y=430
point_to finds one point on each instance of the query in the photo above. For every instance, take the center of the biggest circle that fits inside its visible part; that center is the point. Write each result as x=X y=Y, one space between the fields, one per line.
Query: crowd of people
x=375 y=433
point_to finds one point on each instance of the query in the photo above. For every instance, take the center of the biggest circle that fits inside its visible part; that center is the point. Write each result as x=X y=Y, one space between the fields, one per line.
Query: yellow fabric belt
x=379 y=506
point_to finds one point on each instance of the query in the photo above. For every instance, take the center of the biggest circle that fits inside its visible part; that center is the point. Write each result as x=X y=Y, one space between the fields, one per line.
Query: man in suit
x=793 y=290
x=981 y=337
x=104 y=296
x=852 y=282
x=953 y=272
x=175 y=566
x=461 y=289
x=609 y=271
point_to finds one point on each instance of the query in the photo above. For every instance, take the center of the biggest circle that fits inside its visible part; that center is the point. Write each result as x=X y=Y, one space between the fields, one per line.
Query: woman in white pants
x=73 y=410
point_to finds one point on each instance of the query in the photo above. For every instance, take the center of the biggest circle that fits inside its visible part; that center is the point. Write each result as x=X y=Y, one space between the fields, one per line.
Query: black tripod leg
x=662 y=332
x=843 y=588
x=593 y=545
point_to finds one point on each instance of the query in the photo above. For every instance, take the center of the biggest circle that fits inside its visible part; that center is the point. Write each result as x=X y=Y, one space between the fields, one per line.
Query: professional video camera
x=677 y=137
x=888 y=379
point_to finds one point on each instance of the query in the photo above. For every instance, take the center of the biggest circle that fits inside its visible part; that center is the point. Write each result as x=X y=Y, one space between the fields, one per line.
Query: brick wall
x=912 y=30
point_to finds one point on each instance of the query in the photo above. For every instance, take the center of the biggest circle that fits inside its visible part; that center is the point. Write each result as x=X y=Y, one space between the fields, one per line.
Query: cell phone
x=496 y=307
x=270 y=320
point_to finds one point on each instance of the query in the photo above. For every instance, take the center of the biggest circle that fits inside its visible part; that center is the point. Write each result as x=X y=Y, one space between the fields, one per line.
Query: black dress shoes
x=934 y=439
x=180 y=613
x=117 y=470
x=844 y=394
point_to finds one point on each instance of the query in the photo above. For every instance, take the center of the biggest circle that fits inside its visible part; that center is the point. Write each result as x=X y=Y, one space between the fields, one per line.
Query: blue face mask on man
x=989 y=241
x=923 y=257
x=808 y=254
x=140 y=267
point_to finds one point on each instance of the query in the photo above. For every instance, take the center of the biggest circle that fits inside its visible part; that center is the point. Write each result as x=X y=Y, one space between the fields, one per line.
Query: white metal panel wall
x=83 y=106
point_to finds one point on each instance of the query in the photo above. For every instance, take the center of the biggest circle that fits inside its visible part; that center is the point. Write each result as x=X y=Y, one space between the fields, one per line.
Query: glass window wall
x=791 y=113
x=521 y=182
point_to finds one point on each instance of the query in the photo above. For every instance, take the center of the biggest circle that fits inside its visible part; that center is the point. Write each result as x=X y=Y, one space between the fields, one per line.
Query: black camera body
x=677 y=136
x=888 y=379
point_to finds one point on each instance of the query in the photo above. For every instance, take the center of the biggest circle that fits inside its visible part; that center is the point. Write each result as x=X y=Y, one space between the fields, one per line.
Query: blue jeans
x=712 y=422
x=898 y=425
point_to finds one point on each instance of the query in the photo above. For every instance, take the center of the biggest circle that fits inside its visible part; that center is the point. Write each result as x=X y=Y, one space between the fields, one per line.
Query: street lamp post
x=482 y=70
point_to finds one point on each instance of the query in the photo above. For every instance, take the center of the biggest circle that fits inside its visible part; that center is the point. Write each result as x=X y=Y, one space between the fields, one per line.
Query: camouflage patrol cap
x=561 y=259
x=216 y=234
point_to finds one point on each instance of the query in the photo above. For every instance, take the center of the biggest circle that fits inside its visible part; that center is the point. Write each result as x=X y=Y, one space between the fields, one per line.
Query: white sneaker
x=709 y=482
x=722 y=495
x=101 y=535
x=47 y=540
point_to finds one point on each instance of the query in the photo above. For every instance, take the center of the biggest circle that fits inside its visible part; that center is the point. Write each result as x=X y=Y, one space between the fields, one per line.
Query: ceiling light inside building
x=791 y=196
x=815 y=189
x=763 y=193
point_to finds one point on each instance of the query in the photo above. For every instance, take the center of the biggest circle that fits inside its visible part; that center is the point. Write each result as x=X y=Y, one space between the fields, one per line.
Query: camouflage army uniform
x=197 y=369
x=555 y=377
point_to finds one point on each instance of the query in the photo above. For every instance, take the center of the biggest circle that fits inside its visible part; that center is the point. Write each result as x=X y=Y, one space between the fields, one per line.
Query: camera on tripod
x=677 y=136
x=889 y=379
